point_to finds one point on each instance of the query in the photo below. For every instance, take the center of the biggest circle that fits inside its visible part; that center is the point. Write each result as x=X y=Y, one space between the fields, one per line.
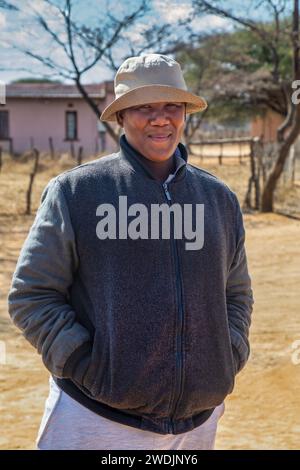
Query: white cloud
x=19 y=37
x=172 y=11
x=21 y=29
x=176 y=10
x=210 y=22
x=135 y=34
x=98 y=74
x=28 y=7
x=2 y=20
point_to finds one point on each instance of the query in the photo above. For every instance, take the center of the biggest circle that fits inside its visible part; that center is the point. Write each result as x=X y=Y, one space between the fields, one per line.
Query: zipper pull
x=166 y=191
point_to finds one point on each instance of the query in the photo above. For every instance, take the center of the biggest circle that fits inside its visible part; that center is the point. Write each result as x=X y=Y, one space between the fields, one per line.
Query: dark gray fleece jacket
x=141 y=330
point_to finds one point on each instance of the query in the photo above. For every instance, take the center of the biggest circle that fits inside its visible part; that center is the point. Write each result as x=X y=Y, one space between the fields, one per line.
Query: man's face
x=154 y=129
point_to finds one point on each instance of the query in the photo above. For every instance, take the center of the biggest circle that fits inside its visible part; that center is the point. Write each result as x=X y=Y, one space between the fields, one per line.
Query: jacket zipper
x=178 y=385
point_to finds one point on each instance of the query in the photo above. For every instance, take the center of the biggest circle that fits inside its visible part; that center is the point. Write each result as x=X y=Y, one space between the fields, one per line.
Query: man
x=133 y=284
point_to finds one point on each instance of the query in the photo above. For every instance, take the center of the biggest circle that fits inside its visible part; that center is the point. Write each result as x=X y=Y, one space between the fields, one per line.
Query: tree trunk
x=267 y=201
x=292 y=122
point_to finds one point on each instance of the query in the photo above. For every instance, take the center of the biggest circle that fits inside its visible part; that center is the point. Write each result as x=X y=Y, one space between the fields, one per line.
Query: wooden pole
x=79 y=156
x=221 y=153
x=31 y=178
x=240 y=154
x=247 y=201
x=51 y=148
x=11 y=148
x=72 y=151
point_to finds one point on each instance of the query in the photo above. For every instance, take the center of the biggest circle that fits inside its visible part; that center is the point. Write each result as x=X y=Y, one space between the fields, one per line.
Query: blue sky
x=20 y=28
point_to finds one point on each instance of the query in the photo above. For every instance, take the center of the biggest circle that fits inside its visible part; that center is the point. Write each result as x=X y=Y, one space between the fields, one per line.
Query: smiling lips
x=160 y=137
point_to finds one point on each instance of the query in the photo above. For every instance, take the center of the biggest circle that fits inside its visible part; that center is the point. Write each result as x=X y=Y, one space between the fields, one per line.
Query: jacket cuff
x=77 y=364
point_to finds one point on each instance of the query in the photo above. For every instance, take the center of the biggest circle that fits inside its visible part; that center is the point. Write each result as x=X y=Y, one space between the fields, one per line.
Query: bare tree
x=271 y=38
x=80 y=46
x=288 y=132
x=83 y=47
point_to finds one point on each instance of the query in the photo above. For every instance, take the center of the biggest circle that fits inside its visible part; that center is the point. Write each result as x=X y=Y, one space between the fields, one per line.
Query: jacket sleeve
x=239 y=296
x=37 y=299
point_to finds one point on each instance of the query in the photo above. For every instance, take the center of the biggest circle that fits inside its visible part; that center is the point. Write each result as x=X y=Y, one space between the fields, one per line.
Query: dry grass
x=262 y=413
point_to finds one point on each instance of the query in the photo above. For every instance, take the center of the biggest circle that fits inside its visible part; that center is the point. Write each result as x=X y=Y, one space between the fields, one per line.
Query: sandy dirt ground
x=263 y=412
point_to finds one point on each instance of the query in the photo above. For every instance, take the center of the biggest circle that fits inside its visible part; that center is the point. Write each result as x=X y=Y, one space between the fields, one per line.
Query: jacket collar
x=135 y=159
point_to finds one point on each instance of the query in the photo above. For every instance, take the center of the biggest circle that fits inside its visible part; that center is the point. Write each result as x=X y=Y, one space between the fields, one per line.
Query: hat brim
x=153 y=94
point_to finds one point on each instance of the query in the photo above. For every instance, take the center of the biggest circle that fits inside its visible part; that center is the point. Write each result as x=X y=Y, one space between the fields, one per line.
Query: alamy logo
x=295 y=94
x=138 y=227
x=2 y=93
x=296 y=352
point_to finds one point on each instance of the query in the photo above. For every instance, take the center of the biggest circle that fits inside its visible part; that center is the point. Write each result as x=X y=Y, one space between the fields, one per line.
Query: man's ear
x=120 y=118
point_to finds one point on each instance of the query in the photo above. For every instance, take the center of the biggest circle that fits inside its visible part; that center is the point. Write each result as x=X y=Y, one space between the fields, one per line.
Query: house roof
x=53 y=90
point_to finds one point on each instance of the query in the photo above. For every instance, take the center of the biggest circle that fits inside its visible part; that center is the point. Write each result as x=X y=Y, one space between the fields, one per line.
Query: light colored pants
x=68 y=425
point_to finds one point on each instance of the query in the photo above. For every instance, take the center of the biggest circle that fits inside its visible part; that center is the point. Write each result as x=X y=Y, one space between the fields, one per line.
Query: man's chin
x=160 y=152
x=160 y=155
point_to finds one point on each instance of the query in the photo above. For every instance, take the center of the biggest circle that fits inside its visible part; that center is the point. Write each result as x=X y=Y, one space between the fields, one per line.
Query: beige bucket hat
x=151 y=78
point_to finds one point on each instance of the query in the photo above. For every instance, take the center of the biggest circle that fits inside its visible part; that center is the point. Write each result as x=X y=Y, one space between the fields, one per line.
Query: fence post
x=72 y=150
x=256 y=172
x=221 y=153
x=51 y=147
x=252 y=181
x=240 y=155
x=11 y=147
x=79 y=156
x=31 y=178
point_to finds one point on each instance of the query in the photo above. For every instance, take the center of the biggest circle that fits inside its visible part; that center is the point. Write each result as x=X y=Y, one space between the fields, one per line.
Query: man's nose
x=159 y=117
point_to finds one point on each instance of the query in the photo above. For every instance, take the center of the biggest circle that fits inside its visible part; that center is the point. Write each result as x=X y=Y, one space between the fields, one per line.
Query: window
x=4 y=130
x=71 y=125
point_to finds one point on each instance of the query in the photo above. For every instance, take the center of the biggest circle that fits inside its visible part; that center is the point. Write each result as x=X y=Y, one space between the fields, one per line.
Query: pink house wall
x=41 y=118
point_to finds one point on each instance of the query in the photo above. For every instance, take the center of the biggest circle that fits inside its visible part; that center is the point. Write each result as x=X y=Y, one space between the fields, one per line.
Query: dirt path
x=263 y=411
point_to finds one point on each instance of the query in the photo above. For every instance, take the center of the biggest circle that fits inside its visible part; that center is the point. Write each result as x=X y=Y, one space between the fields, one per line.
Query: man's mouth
x=160 y=137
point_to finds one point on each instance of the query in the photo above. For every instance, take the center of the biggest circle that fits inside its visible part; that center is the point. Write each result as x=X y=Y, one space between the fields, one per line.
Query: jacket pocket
x=94 y=378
